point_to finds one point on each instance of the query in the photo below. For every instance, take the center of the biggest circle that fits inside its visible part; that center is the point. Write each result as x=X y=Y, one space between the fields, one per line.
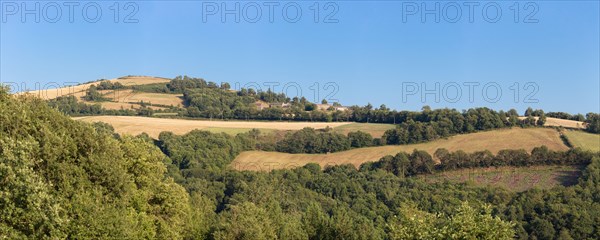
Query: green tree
x=360 y=139
x=245 y=221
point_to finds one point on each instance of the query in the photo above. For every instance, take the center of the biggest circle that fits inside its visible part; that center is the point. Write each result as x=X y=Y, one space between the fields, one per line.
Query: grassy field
x=376 y=130
x=584 y=140
x=154 y=126
x=515 y=138
x=512 y=178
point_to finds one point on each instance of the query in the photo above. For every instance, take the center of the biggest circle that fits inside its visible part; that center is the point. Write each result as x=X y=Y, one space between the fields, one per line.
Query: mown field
x=515 y=138
x=516 y=179
x=584 y=140
x=154 y=126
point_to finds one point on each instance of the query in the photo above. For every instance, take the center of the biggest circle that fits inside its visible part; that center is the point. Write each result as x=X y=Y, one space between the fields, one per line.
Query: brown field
x=79 y=90
x=511 y=178
x=154 y=126
x=557 y=122
x=515 y=138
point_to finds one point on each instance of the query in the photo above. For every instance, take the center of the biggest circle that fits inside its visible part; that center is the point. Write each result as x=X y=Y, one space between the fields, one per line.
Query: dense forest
x=381 y=200
x=205 y=99
x=67 y=179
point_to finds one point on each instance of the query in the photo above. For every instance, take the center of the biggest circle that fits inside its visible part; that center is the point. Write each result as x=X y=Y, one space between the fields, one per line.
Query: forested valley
x=67 y=179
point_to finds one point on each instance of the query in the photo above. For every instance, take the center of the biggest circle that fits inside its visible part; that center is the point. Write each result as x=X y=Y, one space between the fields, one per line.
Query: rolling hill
x=123 y=98
x=79 y=90
x=515 y=138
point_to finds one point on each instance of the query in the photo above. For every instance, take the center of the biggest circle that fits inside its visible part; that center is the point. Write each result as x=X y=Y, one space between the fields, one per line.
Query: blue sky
x=376 y=53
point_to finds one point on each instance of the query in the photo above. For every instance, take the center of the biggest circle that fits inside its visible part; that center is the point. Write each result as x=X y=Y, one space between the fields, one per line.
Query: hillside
x=69 y=179
x=515 y=138
x=79 y=90
x=120 y=98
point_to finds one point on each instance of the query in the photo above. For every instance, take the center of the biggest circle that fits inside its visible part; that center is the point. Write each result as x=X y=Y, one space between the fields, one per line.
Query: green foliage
x=107 y=85
x=420 y=162
x=218 y=103
x=202 y=150
x=66 y=179
x=433 y=124
x=466 y=223
x=308 y=140
x=240 y=222
x=93 y=95
x=70 y=106
x=341 y=202
x=360 y=139
x=593 y=123
x=541 y=120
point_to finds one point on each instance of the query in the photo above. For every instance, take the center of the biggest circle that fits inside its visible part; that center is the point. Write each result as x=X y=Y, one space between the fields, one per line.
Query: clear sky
x=373 y=51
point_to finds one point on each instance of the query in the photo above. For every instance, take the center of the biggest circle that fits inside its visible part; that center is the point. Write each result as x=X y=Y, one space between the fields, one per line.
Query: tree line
x=421 y=162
